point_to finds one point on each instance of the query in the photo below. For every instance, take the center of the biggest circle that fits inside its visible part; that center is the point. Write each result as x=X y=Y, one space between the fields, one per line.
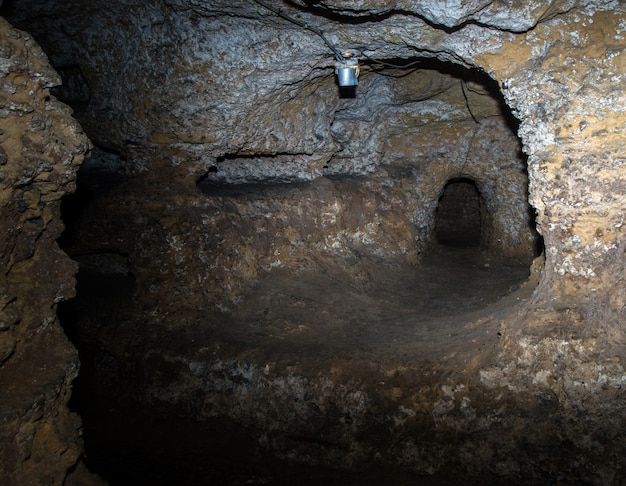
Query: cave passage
x=395 y=313
x=407 y=313
x=332 y=267
x=281 y=281
x=458 y=216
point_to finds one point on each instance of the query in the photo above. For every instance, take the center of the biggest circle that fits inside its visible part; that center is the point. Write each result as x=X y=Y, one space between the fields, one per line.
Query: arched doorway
x=459 y=215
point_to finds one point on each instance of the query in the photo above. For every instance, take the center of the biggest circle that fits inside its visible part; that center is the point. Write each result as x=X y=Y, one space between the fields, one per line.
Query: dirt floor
x=439 y=312
x=433 y=310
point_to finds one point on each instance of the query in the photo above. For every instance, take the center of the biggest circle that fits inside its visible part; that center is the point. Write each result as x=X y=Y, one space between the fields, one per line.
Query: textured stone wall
x=243 y=219
x=568 y=95
x=41 y=147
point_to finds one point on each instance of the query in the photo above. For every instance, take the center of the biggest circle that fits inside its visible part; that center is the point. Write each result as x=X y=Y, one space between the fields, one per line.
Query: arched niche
x=456 y=131
x=460 y=215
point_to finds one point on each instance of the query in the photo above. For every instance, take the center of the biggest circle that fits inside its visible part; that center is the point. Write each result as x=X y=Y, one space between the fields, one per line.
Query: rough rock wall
x=568 y=94
x=194 y=116
x=403 y=149
x=41 y=147
x=214 y=241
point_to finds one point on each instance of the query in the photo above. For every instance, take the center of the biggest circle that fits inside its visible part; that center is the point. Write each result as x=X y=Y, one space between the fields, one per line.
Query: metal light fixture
x=347 y=64
x=347 y=70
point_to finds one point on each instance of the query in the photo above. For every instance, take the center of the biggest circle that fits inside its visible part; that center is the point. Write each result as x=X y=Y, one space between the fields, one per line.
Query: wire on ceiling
x=392 y=65
x=338 y=55
x=304 y=25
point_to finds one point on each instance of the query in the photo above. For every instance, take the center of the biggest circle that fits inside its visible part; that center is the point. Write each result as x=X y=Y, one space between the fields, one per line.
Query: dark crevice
x=358 y=17
x=251 y=156
x=74 y=90
x=249 y=190
x=91 y=181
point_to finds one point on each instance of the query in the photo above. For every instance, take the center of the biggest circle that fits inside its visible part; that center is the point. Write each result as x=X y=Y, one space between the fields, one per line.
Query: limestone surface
x=41 y=147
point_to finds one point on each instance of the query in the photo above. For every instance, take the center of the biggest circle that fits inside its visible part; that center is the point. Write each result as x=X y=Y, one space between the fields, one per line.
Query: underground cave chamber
x=279 y=284
x=377 y=264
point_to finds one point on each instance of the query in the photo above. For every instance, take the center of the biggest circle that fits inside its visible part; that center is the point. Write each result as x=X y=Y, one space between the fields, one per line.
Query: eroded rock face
x=41 y=147
x=212 y=107
x=279 y=119
x=516 y=17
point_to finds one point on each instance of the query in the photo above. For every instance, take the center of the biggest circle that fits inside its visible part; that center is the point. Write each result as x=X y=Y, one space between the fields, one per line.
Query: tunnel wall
x=399 y=148
x=41 y=147
x=488 y=154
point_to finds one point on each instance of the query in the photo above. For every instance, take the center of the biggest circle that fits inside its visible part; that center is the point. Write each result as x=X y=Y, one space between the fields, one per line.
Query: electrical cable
x=467 y=102
x=318 y=32
x=392 y=65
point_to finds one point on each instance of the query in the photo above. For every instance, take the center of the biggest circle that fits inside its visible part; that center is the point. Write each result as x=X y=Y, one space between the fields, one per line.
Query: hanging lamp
x=347 y=69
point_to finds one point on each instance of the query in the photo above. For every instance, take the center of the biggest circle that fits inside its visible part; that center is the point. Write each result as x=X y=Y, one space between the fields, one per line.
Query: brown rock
x=42 y=147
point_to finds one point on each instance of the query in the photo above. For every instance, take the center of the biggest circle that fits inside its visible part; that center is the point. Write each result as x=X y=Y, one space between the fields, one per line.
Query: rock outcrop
x=41 y=148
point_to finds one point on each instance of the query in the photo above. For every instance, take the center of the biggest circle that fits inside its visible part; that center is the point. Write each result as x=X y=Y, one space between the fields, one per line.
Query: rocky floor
x=390 y=313
x=437 y=315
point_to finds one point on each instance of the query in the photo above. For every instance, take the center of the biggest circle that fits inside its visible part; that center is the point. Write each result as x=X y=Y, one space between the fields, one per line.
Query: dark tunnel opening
x=458 y=219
